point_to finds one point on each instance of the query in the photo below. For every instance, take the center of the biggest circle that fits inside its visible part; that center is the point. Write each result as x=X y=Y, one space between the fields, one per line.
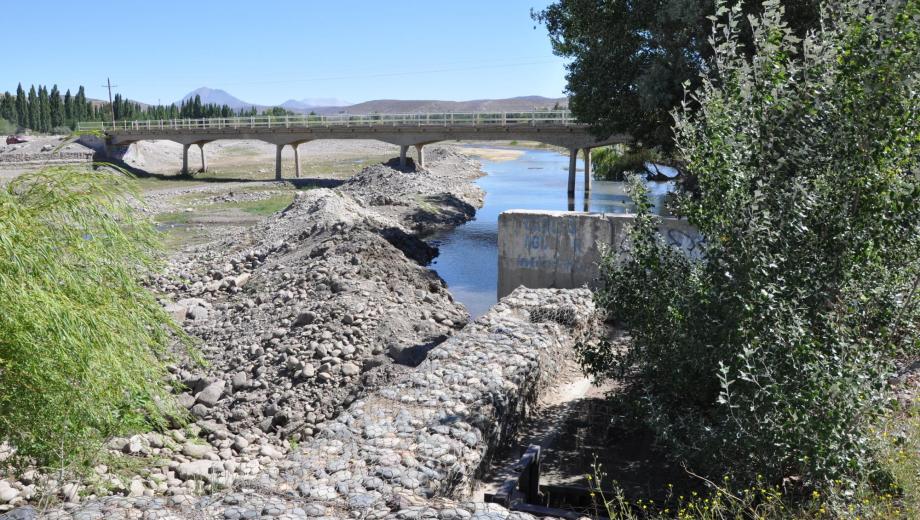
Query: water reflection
x=538 y=179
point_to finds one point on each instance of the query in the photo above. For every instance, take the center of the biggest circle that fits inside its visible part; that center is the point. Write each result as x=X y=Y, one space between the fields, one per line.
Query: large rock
x=195 y=470
x=178 y=312
x=211 y=394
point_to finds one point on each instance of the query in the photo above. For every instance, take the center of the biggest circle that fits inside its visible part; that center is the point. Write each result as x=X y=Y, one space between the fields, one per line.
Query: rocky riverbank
x=407 y=450
x=295 y=318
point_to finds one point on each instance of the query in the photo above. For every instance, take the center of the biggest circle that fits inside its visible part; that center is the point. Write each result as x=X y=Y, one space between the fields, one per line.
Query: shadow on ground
x=303 y=182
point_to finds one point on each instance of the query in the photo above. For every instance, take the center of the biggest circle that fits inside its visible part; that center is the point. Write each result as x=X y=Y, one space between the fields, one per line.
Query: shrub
x=611 y=165
x=6 y=127
x=772 y=354
x=81 y=340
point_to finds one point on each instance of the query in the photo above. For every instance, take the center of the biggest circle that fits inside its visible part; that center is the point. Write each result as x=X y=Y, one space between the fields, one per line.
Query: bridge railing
x=531 y=118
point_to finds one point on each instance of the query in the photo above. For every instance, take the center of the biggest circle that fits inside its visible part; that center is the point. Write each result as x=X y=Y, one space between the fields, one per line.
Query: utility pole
x=111 y=105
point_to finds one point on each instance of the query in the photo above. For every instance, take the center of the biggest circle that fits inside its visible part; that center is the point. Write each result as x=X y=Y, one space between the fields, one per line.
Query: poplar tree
x=57 y=108
x=22 y=107
x=44 y=104
x=8 y=108
x=79 y=105
x=68 y=109
x=34 y=115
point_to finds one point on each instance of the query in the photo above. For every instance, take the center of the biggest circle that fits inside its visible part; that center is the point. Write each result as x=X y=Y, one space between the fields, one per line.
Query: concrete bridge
x=557 y=127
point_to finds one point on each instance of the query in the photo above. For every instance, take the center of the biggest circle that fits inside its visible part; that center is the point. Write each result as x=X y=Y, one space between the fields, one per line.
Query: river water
x=468 y=259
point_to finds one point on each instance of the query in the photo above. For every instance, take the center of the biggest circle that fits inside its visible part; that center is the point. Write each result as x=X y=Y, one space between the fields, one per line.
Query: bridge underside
x=574 y=138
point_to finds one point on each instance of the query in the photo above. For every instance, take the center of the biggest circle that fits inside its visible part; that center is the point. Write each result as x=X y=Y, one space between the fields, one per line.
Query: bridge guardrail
x=532 y=118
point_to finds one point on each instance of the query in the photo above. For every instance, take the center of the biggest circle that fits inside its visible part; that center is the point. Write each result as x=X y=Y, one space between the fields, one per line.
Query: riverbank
x=295 y=317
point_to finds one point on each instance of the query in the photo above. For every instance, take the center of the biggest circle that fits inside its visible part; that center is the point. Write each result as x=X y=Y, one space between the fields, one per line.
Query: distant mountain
x=326 y=106
x=404 y=106
x=217 y=96
x=310 y=103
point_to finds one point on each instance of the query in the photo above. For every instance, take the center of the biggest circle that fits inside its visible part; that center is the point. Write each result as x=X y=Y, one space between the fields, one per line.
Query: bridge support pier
x=587 y=152
x=421 y=156
x=296 y=159
x=185 y=148
x=403 y=150
x=204 y=162
x=278 y=148
x=573 y=168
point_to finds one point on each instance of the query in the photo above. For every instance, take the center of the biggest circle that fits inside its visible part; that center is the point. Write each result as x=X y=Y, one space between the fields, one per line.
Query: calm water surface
x=468 y=259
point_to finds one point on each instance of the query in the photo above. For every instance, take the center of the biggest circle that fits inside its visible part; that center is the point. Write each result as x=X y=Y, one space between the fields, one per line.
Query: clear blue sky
x=267 y=51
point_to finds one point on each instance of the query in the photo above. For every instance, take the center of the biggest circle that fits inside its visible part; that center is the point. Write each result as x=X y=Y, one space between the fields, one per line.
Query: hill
x=327 y=106
x=216 y=96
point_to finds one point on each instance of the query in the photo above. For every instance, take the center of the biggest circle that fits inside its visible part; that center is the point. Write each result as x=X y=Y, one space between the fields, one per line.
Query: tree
x=34 y=112
x=22 y=107
x=8 y=108
x=630 y=60
x=79 y=105
x=44 y=110
x=68 y=110
x=57 y=108
x=772 y=354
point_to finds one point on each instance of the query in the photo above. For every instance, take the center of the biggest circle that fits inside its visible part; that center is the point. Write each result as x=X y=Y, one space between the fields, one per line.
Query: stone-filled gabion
x=411 y=449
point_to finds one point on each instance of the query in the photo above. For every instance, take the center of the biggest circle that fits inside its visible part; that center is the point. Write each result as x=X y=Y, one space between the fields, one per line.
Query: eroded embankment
x=309 y=403
x=303 y=313
x=295 y=317
x=411 y=448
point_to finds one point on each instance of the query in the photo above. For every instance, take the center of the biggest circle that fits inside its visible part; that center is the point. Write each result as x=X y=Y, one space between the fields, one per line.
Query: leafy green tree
x=772 y=354
x=82 y=341
x=630 y=60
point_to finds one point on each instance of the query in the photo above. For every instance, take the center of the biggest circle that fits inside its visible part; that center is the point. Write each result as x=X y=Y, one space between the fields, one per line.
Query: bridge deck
x=556 y=127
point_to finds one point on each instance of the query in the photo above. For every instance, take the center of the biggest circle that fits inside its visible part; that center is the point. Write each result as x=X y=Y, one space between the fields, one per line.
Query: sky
x=269 y=51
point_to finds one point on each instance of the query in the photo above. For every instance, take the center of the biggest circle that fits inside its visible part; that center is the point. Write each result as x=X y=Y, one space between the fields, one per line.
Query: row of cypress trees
x=45 y=110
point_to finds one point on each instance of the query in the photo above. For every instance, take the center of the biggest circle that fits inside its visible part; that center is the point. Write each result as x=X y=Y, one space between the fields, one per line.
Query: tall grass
x=82 y=342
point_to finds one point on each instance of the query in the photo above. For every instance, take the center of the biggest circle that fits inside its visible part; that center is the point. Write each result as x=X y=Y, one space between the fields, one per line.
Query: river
x=468 y=259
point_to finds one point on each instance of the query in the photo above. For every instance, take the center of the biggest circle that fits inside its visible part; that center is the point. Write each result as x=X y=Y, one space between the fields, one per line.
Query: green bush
x=6 y=127
x=772 y=354
x=611 y=165
x=81 y=340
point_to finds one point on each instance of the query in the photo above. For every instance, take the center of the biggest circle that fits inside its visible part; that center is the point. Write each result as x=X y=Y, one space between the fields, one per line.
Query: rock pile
x=411 y=448
x=308 y=404
x=299 y=322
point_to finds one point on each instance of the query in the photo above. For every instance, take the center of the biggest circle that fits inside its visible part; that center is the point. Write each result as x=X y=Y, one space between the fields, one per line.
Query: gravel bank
x=296 y=317
x=406 y=451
